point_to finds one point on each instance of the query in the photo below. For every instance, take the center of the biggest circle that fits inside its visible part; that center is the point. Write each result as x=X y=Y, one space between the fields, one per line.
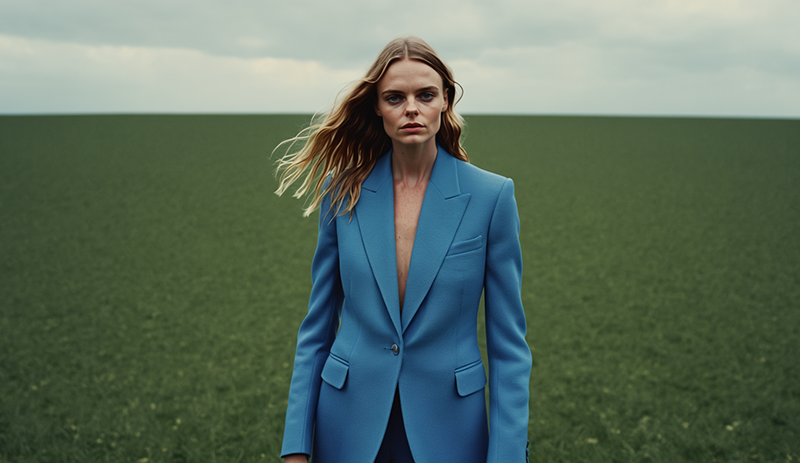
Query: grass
x=151 y=286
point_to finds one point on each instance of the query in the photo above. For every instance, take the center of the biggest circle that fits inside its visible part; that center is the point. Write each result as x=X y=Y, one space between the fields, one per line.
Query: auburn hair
x=346 y=142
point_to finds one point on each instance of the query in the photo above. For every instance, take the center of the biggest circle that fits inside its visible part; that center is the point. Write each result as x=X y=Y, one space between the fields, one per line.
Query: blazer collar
x=380 y=174
x=441 y=213
x=444 y=176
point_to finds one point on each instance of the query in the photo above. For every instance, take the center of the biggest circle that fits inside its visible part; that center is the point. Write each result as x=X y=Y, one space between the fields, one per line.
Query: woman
x=387 y=366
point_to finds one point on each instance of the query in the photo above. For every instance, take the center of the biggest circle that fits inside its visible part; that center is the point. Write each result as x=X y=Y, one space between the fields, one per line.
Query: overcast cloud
x=681 y=57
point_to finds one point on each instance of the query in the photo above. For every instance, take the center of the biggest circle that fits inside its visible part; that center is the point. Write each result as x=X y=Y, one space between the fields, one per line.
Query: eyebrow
x=430 y=88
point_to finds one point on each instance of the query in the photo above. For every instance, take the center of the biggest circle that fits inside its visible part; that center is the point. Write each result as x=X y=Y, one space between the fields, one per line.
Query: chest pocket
x=462 y=247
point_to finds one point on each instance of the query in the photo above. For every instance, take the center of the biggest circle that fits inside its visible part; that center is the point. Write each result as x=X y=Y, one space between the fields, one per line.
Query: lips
x=411 y=125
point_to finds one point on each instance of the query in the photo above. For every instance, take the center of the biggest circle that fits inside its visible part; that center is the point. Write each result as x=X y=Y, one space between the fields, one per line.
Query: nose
x=411 y=108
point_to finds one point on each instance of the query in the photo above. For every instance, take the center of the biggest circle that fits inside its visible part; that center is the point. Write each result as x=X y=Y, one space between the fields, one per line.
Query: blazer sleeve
x=508 y=351
x=315 y=337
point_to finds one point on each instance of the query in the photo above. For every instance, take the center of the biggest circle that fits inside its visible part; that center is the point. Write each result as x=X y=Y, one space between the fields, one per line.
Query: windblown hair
x=346 y=143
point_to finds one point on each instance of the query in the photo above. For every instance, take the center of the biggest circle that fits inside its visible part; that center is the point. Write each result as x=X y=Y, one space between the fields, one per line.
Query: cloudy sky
x=633 y=57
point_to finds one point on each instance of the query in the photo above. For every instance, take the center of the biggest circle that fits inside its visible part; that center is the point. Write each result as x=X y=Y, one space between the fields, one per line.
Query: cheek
x=438 y=119
x=387 y=122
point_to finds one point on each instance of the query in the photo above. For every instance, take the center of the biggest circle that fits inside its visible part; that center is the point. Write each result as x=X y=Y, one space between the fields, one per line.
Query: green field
x=151 y=286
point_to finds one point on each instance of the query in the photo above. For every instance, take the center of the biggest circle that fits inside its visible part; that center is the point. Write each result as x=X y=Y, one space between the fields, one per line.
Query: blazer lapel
x=374 y=213
x=442 y=210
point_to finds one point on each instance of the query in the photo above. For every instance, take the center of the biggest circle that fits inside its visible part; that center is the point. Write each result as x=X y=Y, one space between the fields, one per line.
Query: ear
x=446 y=100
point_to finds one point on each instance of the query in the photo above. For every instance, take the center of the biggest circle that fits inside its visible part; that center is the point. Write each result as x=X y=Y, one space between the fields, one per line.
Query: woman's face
x=411 y=100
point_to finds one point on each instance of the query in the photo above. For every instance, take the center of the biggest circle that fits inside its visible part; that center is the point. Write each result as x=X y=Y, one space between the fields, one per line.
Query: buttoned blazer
x=355 y=347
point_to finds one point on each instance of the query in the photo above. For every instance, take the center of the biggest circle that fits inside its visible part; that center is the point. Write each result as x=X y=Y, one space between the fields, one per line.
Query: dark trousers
x=394 y=448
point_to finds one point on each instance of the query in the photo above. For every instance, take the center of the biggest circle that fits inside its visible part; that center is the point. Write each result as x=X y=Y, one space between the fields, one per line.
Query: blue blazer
x=355 y=348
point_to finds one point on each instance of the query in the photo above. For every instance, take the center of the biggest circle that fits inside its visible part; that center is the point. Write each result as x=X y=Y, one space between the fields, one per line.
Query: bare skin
x=296 y=458
x=411 y=176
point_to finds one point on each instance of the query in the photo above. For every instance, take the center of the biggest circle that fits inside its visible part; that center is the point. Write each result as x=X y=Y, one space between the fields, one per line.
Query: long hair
x=346 y=143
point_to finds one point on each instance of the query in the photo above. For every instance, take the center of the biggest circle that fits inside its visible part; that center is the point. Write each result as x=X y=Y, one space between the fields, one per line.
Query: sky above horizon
x=617 y=57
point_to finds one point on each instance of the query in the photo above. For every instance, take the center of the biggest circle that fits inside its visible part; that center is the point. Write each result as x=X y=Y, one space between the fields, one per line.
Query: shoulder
x=474 y=180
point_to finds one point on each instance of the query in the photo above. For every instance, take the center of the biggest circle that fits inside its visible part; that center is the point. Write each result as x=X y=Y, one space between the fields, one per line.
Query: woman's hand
x=296 y=458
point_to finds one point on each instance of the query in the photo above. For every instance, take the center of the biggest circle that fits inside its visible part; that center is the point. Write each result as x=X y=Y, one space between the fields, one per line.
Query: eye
x=393 y=98
x=427 y=96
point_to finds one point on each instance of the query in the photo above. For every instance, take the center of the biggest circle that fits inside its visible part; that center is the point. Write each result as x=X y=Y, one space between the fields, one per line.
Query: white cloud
x=574 y=78
x=712 y=57
x=45 y=76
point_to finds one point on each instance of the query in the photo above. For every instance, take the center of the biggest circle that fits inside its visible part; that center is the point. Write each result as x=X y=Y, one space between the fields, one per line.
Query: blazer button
x=395 y=349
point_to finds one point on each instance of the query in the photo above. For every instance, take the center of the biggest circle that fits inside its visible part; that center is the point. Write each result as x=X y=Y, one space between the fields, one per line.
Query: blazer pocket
x=470 y=378
x=465 y=246
x=335 y=371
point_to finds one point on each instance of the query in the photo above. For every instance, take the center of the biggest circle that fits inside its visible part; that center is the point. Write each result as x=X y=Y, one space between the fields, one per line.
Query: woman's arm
x=314 y=338
x=296 y=458
x=508 y=351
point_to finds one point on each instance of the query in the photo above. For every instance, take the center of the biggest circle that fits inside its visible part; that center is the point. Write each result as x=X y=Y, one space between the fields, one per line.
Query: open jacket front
x=355 y=348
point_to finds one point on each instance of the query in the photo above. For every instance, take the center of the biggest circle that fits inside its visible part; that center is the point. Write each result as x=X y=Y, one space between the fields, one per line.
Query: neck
x=412 y=164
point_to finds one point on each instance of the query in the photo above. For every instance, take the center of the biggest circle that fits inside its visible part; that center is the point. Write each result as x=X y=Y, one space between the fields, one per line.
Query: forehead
x=409 y=74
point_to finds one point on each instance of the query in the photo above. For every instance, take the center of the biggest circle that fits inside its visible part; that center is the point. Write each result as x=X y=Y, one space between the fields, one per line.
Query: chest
x=407 y=206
